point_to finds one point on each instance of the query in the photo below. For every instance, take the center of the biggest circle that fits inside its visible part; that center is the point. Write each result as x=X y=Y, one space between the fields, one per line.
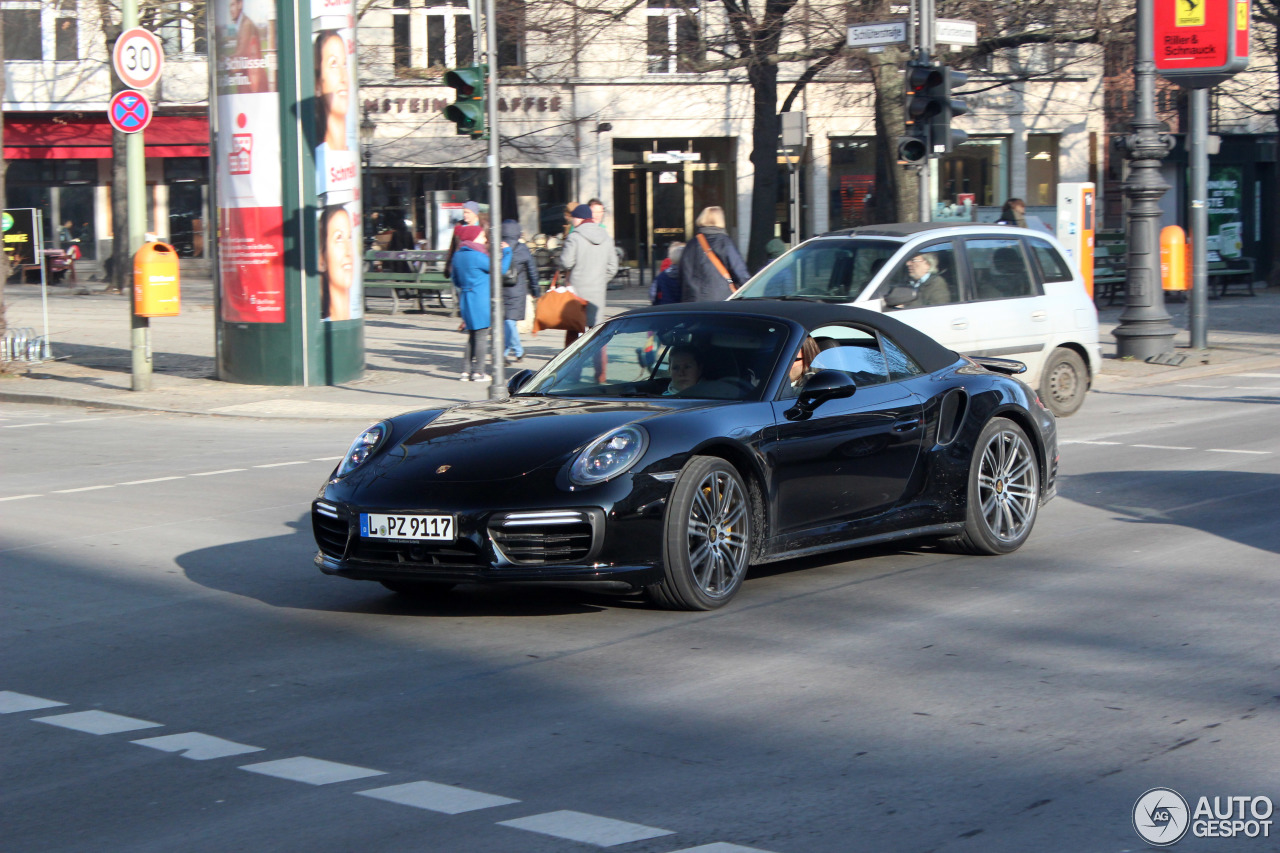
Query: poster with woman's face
x=337 y=157
x=339 y=262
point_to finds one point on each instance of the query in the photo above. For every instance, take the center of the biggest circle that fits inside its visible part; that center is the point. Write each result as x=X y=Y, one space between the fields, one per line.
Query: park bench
x=1110 y=261
x=424 y=277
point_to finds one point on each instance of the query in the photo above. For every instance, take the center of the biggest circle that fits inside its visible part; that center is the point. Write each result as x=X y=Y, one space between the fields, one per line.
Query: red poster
x=247 y=160
x=1201 y=37
x=251 y=262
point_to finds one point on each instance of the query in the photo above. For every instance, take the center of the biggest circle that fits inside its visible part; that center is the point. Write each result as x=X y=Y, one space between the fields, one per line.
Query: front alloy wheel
x=708 y=537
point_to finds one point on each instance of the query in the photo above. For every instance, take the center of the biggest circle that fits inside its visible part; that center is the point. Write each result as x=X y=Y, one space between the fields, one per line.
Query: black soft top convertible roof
x=927 y=352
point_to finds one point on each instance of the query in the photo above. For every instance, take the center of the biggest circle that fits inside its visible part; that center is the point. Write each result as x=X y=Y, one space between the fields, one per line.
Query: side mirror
x=518 y=379
x=819 y=388
x=900 y=296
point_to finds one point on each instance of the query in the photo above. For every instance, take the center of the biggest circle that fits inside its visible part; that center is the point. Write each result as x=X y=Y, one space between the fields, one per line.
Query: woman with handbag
x=711 y=268
x=471 y=276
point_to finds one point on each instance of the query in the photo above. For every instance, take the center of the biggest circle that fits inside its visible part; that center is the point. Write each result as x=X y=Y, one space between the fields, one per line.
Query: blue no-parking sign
x=129 y=111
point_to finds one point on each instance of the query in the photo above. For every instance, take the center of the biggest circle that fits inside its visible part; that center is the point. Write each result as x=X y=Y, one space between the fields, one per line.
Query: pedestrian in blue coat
x=470 y=274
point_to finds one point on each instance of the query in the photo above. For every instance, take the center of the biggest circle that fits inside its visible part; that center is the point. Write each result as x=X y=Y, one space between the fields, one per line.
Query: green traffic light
x=468 y=110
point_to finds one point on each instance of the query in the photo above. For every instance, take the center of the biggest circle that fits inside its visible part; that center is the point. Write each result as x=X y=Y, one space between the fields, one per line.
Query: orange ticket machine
x=156 y=289
x=1077 y=212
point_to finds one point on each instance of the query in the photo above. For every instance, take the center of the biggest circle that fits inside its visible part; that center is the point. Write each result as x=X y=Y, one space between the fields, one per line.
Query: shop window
x=674 y=43
x=975 y=173
x=853 y=181
x=1042 y=169
x=187 y=179
x=22 y=35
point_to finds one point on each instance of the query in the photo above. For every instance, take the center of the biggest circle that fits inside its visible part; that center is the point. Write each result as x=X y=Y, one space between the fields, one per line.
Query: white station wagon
x=981 y=290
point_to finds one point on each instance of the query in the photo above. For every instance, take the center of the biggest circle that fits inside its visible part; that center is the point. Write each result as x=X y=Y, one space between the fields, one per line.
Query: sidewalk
x=413 y=359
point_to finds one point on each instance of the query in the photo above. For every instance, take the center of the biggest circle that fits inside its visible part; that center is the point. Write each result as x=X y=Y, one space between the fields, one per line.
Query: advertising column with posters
x=250 y=204
x=338 y=226
x=288 y=192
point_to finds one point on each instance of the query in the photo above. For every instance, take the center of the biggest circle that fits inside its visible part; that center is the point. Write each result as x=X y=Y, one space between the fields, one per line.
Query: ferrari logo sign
x=1190 y=13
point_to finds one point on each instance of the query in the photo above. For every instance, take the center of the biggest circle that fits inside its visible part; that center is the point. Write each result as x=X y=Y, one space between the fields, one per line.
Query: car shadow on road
x=278 y=571
x=1235 y=505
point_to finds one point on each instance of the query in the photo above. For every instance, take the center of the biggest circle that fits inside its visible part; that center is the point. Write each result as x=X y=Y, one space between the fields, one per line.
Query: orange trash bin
x=156 y=288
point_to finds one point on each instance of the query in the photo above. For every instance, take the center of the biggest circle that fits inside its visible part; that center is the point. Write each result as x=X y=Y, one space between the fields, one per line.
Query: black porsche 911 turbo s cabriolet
x=671 y=448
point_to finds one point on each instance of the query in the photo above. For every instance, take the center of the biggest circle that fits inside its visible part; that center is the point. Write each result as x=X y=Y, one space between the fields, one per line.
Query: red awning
x=59 y=137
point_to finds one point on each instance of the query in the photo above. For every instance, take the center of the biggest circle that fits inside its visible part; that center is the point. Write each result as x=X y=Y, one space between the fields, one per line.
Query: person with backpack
x=518 y=283
x=711 y=268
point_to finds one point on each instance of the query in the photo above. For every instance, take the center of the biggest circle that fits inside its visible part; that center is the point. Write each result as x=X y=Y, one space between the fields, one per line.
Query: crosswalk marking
x=197 y=746
x=312 y=771
x=98 y=722
x=12 y=703
x=587 y=828
x=448 y=799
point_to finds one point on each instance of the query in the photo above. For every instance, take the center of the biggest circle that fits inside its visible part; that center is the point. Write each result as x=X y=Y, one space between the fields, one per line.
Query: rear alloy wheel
x=419 y=589
x=707 y=549
x=1003 y=492
x=1064 y=382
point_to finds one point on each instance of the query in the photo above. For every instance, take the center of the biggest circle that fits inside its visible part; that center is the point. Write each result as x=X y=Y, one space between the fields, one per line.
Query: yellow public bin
x=156 y=291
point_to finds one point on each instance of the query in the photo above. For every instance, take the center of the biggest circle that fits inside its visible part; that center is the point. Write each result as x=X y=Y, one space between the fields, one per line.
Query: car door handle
x=960 y=323
x=1039 y=316
x=907 y=424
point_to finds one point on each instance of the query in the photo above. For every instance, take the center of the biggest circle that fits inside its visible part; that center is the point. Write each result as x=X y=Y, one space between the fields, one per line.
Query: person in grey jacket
x=514 y=295
x=590 y=260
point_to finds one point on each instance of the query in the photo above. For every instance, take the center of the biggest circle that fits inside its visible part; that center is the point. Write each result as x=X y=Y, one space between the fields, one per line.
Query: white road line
x=448 y=799
x=97 y=722
x=152 y=480
x=1082 y=441
x=223 y=471
x=20 y=497
x=12 y=703
x=589 y=829
x=24 y=426
x=197 y=746
x=1187 y=385
x=721 y=847
x=1228 y=450
x=312 y=771
x=1255 y=376
x=281 y=464
x=81 y=489
x=1164 y=446
x=327 y=458
x=1255 y=388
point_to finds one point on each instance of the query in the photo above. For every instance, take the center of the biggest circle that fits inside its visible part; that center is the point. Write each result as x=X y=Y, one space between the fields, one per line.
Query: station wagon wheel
x=707 y=547
x=1064 y=382
x=1003 y=492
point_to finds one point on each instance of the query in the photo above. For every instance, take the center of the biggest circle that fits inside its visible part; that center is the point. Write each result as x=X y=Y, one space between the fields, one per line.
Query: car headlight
x=609 y=455
x=363 y=447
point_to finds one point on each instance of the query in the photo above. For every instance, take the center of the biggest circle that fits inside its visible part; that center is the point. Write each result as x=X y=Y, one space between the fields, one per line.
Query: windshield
x=694 y=355
x=825 y=270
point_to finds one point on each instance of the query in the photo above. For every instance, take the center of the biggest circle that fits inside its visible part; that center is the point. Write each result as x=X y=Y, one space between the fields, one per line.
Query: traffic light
x=921 y=107
x=912 y=150
x=941 y=135
x=467 y=110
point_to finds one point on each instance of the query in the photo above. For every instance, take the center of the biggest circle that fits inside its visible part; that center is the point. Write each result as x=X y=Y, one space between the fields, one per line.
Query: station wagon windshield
x=825 y=270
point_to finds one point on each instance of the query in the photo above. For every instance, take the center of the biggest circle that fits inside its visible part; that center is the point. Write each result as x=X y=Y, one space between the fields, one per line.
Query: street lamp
x=368 y=128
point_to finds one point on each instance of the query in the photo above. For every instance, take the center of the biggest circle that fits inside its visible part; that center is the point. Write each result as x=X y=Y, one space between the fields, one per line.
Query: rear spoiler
x=1007 y=366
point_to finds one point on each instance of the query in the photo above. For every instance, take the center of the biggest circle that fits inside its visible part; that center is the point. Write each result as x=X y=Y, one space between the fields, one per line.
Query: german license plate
x=435 y=528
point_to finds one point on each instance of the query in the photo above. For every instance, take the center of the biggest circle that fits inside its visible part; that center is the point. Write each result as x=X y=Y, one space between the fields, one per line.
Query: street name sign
x=876 y=35
x=963 y=33
x=137 y=58
x=129 y=111
x=1201 y=44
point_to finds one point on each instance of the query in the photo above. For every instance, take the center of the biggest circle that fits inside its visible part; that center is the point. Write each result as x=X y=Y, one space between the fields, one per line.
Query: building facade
x=57 y=140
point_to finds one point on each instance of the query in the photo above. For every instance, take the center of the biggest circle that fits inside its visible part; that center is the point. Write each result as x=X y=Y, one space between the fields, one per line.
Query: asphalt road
x=177 y=676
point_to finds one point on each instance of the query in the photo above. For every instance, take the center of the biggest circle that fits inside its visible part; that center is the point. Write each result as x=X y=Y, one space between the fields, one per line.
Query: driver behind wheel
x=686 y=369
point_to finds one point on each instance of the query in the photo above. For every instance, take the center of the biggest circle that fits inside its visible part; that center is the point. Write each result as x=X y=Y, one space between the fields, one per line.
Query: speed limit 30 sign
x=137 y=58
